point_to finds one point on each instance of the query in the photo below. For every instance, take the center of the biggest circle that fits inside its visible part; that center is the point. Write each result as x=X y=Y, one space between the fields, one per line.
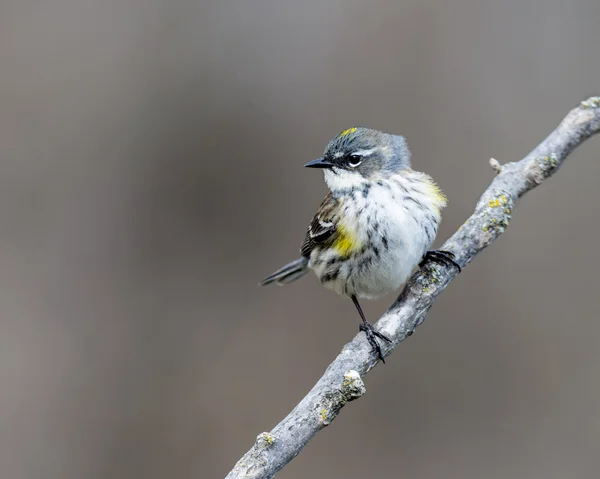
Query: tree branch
x=342 y=381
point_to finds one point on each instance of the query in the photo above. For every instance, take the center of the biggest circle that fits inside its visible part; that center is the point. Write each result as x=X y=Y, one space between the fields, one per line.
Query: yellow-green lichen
x=497 y=224
x=430 y=276
x=499 y=216
x=329 y=406
x=551 y=160
x=352 y=386
x=593 y=102
x=264 y=440
x=498 y=201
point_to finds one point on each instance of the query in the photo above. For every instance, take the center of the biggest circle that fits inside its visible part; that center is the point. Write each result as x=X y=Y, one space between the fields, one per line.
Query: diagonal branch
x=342 y=381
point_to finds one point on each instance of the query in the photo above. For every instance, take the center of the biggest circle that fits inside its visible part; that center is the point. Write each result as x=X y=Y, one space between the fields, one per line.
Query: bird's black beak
x=319 y=163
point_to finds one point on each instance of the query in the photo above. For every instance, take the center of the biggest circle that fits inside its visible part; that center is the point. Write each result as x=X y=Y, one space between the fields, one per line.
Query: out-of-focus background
x=151 y=174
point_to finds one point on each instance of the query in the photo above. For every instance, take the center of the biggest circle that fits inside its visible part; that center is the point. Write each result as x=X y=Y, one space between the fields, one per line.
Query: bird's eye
x=354 y=161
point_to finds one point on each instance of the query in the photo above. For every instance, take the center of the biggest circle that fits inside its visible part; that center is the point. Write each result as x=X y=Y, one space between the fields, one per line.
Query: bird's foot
x=372 y=336
x=440 y=256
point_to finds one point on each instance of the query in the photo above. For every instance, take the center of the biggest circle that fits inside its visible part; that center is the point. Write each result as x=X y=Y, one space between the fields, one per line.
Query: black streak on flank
x=376 y=251
x=401 y=186
x=332 y=275
x=429 y=235
x=365 y=262
x=385 y=242
x=417 y=202
x=333 y=260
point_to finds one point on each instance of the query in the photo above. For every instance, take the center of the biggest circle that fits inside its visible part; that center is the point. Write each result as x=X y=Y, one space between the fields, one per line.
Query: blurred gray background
x=151 y=174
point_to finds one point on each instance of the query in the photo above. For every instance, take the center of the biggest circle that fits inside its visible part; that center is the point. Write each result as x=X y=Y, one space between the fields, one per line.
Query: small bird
x=374 y=226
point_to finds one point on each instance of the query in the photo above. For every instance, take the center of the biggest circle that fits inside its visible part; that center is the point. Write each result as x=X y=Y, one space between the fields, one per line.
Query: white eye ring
x=354 y=161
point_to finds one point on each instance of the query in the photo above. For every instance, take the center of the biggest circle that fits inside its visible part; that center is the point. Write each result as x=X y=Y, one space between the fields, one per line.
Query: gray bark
x=342 y=381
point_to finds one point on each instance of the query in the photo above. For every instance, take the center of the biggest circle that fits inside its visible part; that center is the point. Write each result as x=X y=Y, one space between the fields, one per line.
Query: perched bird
x=374 y=226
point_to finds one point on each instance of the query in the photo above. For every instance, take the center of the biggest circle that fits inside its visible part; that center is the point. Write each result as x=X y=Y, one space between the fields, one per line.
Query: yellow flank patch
x=436 y=194
x=348 y=131
x=346 y=242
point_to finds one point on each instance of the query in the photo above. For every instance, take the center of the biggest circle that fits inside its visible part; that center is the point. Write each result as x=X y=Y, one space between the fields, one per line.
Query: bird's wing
x=322 y=227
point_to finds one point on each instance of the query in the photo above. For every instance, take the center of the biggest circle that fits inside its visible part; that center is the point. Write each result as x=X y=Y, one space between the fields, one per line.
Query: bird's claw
x=372 y=334
x=440 y=256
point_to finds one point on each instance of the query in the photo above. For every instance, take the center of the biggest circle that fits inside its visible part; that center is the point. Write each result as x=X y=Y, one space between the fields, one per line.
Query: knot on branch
x=264 y=440
x=254 y=463
x=495 y=164
x=353 y=386
x=333 y=401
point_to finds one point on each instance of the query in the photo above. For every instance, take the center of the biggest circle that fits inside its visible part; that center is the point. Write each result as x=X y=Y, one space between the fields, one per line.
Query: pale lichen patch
x=542 y=167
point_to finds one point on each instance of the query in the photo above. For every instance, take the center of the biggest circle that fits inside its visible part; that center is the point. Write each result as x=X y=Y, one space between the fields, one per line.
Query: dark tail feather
x=290 y=272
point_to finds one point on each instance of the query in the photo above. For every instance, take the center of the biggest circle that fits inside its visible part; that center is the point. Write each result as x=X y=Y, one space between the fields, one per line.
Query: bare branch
x=342 y=381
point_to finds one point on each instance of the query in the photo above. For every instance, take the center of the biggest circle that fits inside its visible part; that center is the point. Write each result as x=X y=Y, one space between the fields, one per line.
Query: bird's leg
x=440 y=256
x=370 y=331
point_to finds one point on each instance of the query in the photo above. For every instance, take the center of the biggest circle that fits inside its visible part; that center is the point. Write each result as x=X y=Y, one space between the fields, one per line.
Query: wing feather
x=322 y=228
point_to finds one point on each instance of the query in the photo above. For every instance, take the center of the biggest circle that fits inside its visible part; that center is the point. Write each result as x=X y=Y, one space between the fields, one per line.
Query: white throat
x=339 y=179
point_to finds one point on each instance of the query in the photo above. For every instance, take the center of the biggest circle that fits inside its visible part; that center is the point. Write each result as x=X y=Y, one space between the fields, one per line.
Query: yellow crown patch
x=348 y=131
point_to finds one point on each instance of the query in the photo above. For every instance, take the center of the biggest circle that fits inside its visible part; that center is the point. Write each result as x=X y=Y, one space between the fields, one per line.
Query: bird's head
x=358 y=154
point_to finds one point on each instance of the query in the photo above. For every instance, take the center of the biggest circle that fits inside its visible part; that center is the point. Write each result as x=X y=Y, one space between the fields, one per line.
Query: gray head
x=366 y=152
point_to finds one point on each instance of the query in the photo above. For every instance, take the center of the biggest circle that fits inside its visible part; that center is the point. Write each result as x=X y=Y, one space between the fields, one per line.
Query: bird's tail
x=290 y=272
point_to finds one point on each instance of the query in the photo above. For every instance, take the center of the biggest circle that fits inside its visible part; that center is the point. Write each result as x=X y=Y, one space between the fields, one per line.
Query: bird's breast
x=384 y=230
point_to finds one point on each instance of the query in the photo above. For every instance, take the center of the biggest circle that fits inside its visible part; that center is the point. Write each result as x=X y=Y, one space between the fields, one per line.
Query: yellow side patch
x=348 y=131
x=346 y=242
x=436 y=194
